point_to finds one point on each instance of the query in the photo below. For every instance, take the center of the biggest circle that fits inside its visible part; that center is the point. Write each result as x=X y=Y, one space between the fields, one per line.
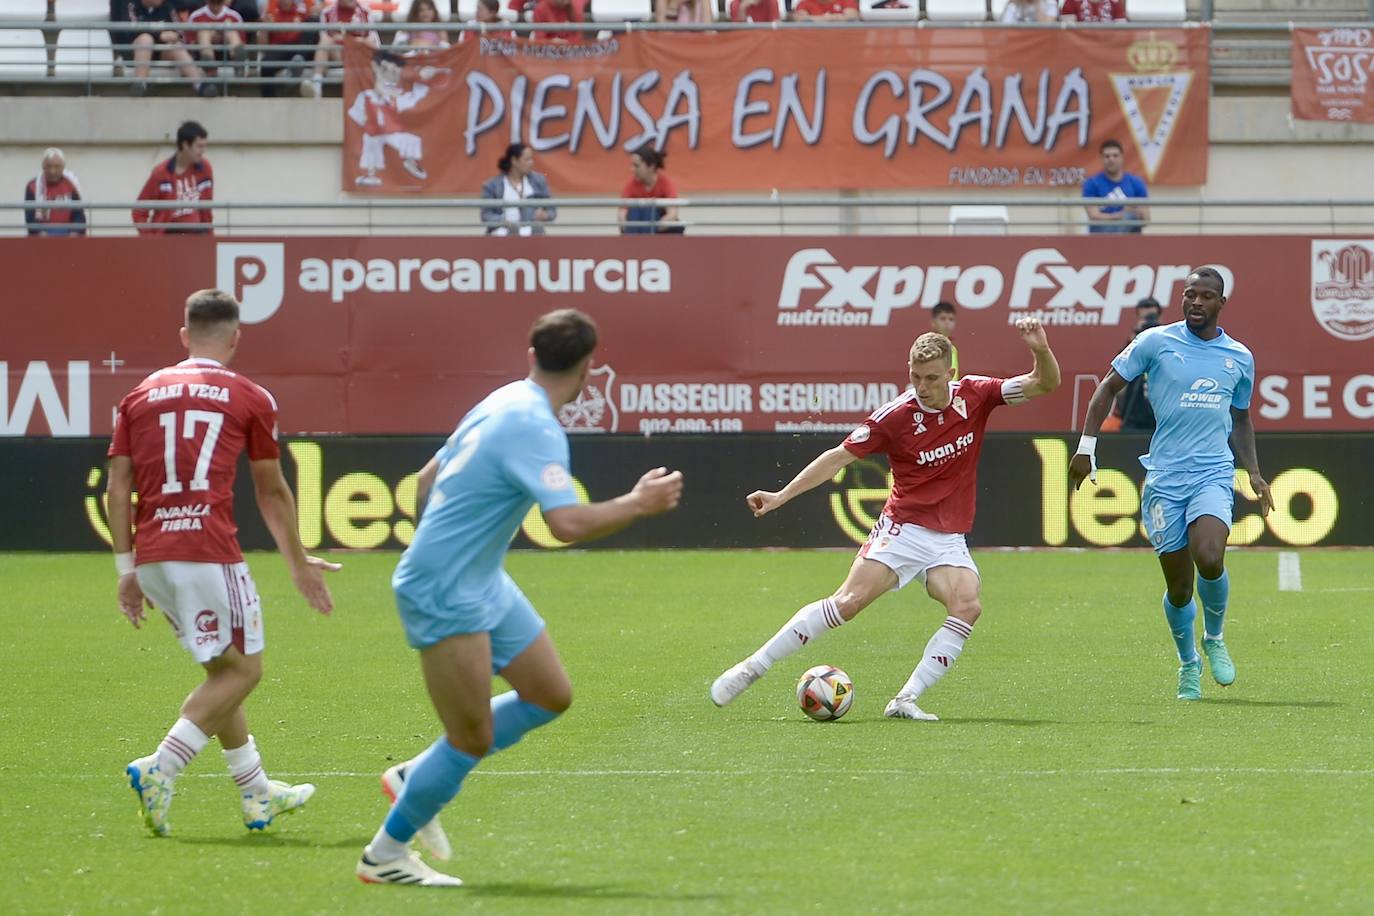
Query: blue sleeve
x=1139 y=189
x=539 y=463
x=1090 y=187
x=1137 y=356
x=1245 y=385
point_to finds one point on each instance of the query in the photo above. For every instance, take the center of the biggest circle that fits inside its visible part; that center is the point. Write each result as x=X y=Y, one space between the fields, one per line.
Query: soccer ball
x=825 y=692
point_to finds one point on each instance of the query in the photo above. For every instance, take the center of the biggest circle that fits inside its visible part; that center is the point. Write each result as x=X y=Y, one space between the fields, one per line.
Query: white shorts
x=211 y=606
x=911 y=551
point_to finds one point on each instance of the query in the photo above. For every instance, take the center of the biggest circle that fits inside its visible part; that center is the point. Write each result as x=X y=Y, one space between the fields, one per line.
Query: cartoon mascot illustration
x=380 y=112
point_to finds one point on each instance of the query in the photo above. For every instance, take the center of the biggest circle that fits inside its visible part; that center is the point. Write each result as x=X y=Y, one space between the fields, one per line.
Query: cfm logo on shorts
x=207 y=627
x=253 y=273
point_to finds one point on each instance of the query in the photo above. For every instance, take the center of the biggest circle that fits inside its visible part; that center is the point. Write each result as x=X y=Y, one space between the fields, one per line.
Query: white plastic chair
x=956 y=10
x=81 y=10
x=30 y=10
x=622 y=10
x=978 y=219
x=868 y=13
x=1157 y=10
x=22 y=55
x=84 y=53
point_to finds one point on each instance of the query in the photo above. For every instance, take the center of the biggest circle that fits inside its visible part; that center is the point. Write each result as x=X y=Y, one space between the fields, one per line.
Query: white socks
x=180 y=747
x=805 y=625
x=941 y=653
x=245 y=767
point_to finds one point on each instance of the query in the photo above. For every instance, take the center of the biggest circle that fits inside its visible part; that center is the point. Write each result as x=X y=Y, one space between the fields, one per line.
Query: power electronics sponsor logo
x=817 y=290
x=594 y=409
x=1202 y=393
x=1343 y=287
x=253 y=273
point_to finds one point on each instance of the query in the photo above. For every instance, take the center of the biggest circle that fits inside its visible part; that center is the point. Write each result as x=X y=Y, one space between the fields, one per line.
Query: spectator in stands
x=1116 y=183
x=517 y=183
x=331 y=43
x=186 y=176
x=143 y=45
x=523 y=9
x=54 y=184
x=942 y=318
x=209 y=41
x=488 y=14
x=1093 y=11
x=1031 y=11
x=685 y=10
x=424 y=16
x=648 y=181
x=821 y=10
x=280 y=61
x=754 y=11
x=558 y=11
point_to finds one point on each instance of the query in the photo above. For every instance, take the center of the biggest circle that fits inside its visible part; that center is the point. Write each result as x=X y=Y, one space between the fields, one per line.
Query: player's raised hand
x=131 y=600
x=1261 y=488
x=761 y=502
x=1033 y=333
x=309 y=581
x=658 y=491
x=1081 y=466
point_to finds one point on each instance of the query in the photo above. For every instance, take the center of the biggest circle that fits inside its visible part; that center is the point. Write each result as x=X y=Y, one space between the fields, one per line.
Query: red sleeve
x=261 y=438
x=988 y=390
x=149 y=192
x=668 y=188
x=630 y=189
x=119 y=438
x=1118 y=10
x=207 y=215
x=1069 y=8
x=869 y=439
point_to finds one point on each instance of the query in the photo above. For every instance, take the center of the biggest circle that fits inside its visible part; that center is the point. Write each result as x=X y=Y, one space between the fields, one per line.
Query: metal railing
x=739 y=215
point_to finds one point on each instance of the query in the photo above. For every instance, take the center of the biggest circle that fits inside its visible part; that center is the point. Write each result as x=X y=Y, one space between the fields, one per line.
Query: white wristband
x=124 y=564
x=1087 y=445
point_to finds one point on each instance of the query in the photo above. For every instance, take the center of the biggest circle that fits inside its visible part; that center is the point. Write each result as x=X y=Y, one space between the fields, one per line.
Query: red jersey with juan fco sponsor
x=184 y=427
x=934 y=453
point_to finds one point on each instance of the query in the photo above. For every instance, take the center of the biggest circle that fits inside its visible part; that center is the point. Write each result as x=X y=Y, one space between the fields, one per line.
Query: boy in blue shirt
x=1118 y=184
x=462 y=610
x=1200 y=386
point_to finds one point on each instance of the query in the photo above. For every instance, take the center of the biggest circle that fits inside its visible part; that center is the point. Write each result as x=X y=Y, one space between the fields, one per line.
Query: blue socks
x=1214 y=594
x=430 y=785
x=1181 y=626
x=511 y=717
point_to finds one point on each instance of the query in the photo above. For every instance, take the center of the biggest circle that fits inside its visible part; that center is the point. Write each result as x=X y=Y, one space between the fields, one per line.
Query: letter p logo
x=253 y=273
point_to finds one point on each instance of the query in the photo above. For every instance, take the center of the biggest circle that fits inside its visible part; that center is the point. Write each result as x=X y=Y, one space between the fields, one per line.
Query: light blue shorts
x=1173 y=500
x=506 y=615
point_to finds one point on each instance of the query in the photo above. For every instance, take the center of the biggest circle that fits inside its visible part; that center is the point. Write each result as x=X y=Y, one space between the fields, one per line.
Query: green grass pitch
x=1064 y=777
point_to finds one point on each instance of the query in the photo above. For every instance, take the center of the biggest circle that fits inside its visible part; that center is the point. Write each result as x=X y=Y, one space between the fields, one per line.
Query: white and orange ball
x=825 y=692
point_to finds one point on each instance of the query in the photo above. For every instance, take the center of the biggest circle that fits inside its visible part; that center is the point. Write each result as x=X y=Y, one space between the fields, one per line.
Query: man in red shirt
x=754 y=11
x=648 y=181
x=330 y=49
x=1092 y=11
x=932 y=435
x=187 y=176
x=218 y=12
x=825 y=9
x=177 y=441
x=558 y=11
x=54 y=184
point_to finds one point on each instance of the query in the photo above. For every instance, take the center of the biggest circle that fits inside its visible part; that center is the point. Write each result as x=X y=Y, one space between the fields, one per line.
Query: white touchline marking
x=604 y=774
x=1290 y=572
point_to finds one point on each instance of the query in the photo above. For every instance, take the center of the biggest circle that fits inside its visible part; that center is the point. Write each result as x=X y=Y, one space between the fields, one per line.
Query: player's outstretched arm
x=1044 y=375
x=1243 y=444
x=657 y=491
x=1084 y=463
x=278 y=508
x=824 y=467
x=119 y=489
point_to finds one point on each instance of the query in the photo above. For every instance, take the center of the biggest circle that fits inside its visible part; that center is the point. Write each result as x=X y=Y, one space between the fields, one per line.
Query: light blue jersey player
x=462 y=610
x=1200 y=382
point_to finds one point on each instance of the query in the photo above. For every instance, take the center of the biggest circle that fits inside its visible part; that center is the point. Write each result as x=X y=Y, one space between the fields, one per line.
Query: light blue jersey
x=508 y=453
x=1193 y=385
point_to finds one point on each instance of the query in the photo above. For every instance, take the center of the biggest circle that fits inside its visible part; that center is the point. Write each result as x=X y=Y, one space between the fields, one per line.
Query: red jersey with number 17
x=184 y=428
x=934 y=453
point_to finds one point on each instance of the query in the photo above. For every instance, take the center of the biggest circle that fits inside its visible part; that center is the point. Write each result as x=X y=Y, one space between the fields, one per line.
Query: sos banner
x=360 y=493
x=399 y=336
x=1332 y=73
x=854 y=108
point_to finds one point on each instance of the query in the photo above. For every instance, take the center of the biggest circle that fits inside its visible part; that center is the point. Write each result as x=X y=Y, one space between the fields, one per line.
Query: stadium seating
x=83 y=53
x=81 y=10
x=29 y=10
x=1157 y=10
x=622 y=10
x=402 y=10
x=978 y=219
x=22 y=55
x=956 y=10
x=911 y=13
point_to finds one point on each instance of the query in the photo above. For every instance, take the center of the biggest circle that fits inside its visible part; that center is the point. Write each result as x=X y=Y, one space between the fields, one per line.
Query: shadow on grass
x=1299 y=704
x=534 y=890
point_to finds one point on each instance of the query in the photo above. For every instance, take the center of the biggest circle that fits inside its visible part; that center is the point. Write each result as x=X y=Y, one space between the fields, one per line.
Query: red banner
x=855 y=108
x=403 y=335
x=1332 y=73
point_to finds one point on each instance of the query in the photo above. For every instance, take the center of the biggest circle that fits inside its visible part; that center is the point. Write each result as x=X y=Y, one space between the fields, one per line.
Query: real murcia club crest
x=959 y=406
x=594 y=410
x=1155 y=91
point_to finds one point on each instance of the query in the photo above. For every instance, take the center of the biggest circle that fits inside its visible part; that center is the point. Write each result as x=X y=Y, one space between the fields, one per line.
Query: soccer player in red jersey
x=932 y=435
x=177 y=441
x=186 y=176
